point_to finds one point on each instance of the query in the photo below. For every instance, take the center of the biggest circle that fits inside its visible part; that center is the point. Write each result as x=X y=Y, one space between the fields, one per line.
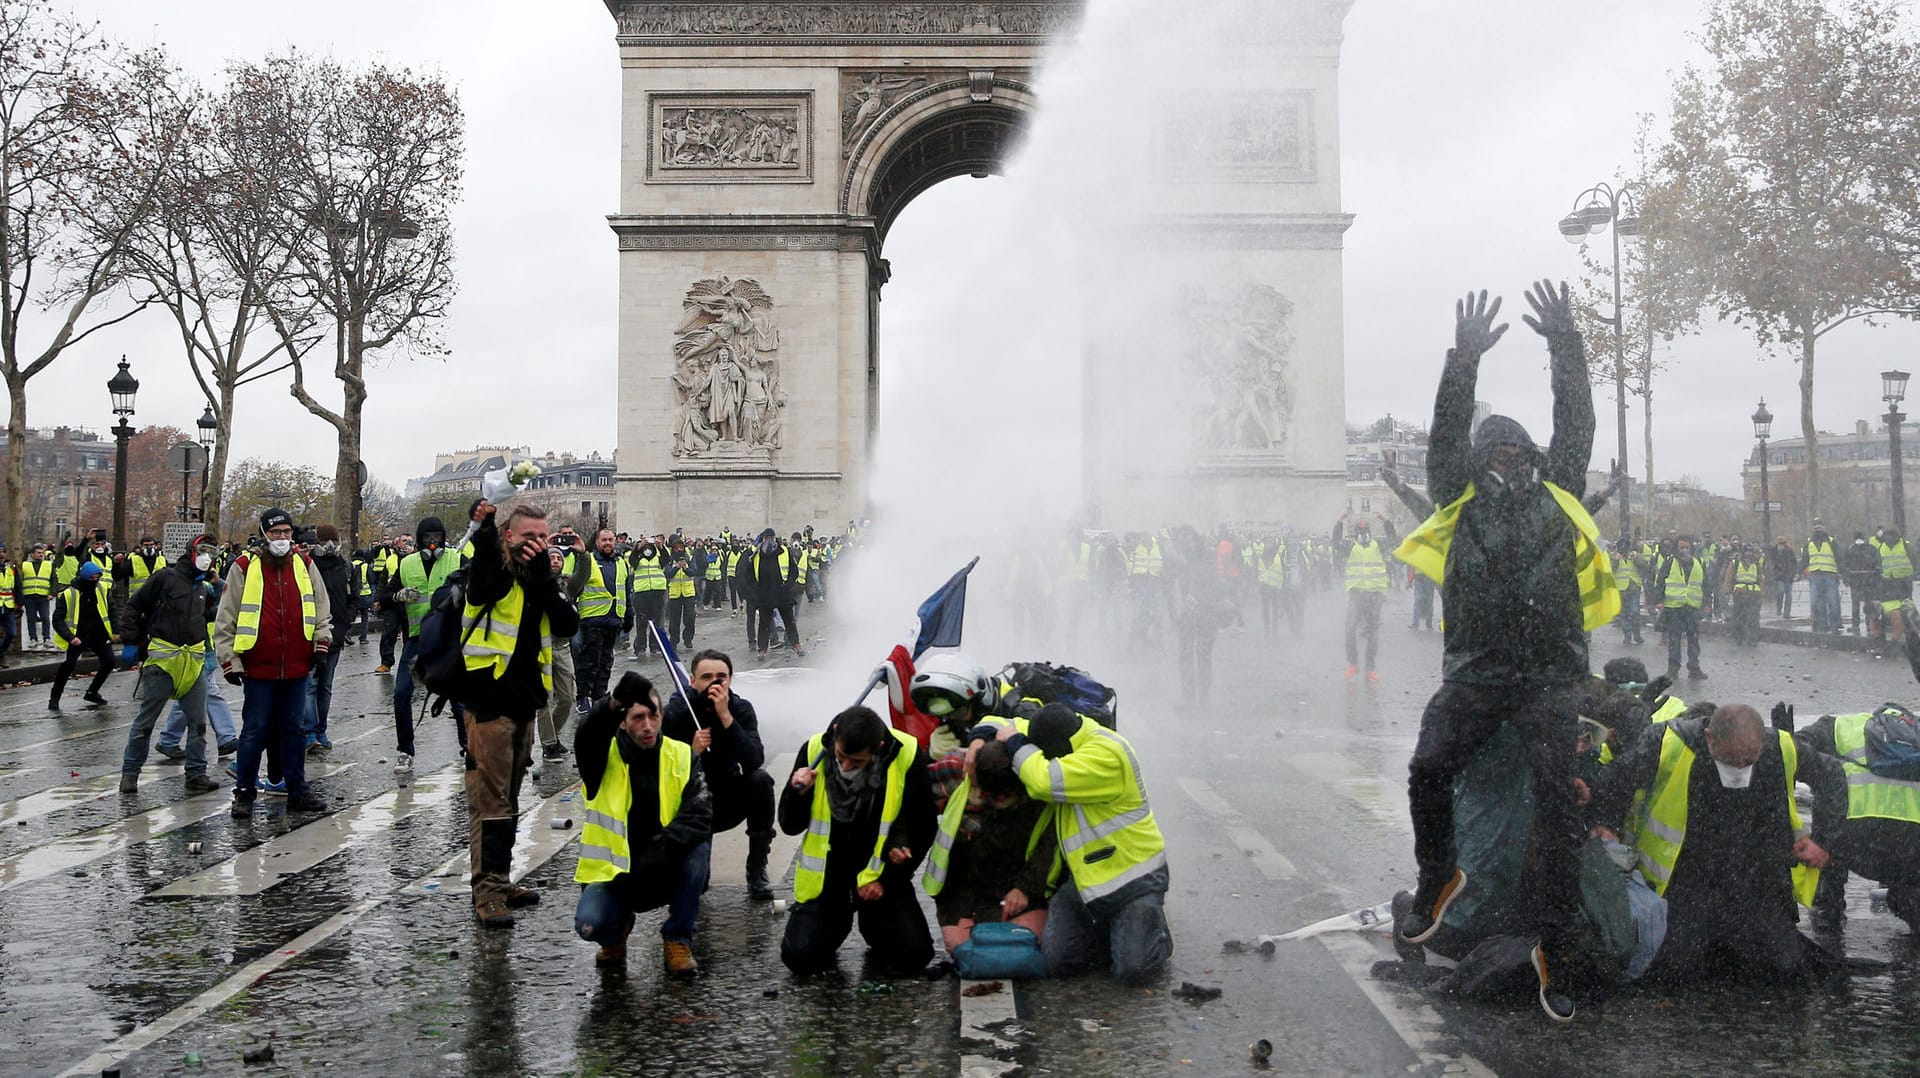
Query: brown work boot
x=519 y=897
x=679 y=958
x=492 y=912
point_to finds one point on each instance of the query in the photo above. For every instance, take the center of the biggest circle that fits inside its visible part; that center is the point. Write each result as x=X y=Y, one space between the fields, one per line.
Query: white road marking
x=1417 y=1024
x=74 y=851
x=77 y=735
x=116 y=1053
x=1252 y=843
x=9 y=772
x=302 y=848
x=983 y=1020
x=1385 y=801
x=535 y=843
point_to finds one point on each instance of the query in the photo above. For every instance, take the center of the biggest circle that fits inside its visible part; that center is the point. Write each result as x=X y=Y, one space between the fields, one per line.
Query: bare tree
x=1791 y=168
x=373 y=161
x=216 y=255
x=85 y=131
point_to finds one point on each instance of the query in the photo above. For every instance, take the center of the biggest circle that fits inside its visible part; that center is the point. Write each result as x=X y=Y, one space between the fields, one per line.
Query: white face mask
x=203 y=562
x=1734 y=778
x=279 y=548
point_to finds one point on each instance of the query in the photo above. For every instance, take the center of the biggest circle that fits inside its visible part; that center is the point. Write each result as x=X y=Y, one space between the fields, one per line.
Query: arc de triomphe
x=767 y=146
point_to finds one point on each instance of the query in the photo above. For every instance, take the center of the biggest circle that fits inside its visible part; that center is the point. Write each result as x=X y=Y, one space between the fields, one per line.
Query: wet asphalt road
x=1282 y=803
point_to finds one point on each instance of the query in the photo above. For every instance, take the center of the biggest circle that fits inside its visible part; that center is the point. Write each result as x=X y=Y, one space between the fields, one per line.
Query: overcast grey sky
x=1465 y=138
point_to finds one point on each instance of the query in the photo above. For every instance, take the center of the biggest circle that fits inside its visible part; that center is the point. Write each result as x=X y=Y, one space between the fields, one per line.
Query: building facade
x=69 y=474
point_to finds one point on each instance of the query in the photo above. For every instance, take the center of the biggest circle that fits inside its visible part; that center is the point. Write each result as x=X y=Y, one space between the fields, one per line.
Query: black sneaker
x=228 y=748
x=93 y=698
x=1423 y=920
x=307 y=802
x=1696 y=674
x=200 y=784
x=242 y=808
x=1557 y=1004
x=173 y=753
x=553 y=751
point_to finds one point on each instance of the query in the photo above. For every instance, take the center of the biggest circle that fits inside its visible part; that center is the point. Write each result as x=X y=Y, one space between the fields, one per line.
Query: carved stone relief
x=864 y=96
x=726 y=374
x=1241 y=140
x=731 y=137
x=1239 y=370
x=1028 y=19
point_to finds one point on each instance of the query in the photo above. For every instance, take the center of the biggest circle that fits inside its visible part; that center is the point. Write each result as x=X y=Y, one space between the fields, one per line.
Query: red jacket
x=282 y=652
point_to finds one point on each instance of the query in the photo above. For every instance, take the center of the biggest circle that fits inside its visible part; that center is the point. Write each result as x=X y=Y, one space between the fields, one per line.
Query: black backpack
x=1053 y=684
x=1893 y=743
x=438 y=659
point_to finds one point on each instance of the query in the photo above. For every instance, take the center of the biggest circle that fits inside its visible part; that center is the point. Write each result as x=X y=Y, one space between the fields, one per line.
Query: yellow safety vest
x=1820 y=557
x=1685 y=587
x=649 y=574
x=1672 y=709
x=1746 y=577
x=72 y=599
x=7 y=580
x=1078 y=567
x=1146 y=559
x=183 y=663
x=596 y=600
x=70 y=568
x=141 y=570
x=1366 y=567
x=1869 y=794
x=715 y=567
x=246 y=628
x=680 y=587
x=1106 y=843
x=366 y=577
x=36 y=579
x=490 y=644
x=1661 y=829
x=733 y=562
x=1625 y=575
x=414 y=574
x=1427 y=547
x=935 y=878
x=810 y=875
x=1273 y=571
x=1896 y=562
x=604 y=852
x=799 y=568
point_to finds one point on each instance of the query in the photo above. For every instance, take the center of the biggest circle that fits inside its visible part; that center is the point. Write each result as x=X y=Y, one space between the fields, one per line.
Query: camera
x=563 y=540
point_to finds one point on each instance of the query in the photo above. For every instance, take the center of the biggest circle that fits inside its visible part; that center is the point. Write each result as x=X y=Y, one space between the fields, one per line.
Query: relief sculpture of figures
x=1241 y=360
x=730 y=138
x=865 y=98
x=726 y=379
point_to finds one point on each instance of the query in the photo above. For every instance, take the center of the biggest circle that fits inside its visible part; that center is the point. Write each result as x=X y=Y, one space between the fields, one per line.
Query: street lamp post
x=1593 y=210
x=1762 y=427
x=1893 y=389
x=121 y=388
x=208 y=427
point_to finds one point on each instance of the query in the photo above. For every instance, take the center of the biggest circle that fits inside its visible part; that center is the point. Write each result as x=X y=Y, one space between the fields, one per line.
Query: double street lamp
x=1893 y=390
x=1762 y=427
x=121 y=388
x=1593 y=210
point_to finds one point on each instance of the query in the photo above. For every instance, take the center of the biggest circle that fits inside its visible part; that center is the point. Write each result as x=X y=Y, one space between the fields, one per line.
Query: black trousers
x=893 y=926
x=395 y=622
x=679 y=623
x=648 y=606
x=786 y=621
x=1458 y=720
x=596 y=660
x=748 y=800
x=102 y=648
x=1363 y=619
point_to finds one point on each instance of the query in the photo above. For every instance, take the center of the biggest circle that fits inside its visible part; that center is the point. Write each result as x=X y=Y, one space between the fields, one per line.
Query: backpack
x=438 y=659
x=1893 y=744
x=998 y=949
x=1049 y=683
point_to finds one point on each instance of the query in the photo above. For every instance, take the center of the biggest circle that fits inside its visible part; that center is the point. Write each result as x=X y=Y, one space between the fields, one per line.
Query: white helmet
x=948 y=681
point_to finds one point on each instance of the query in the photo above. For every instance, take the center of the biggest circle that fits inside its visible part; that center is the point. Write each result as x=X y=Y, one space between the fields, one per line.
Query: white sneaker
x=403 y=764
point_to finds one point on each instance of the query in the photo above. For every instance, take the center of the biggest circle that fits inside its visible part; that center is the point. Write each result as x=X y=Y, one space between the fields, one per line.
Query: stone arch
x=955 y=128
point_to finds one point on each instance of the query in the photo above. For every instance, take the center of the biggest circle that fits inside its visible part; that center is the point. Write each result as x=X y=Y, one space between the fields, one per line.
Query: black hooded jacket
x=852 y=843
x=1512 y=590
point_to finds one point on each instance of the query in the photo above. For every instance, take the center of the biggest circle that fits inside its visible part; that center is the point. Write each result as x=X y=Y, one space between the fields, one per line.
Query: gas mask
x=770 y=547
x=1734 y=778
x=279 y=548
x=647 y=551
x=328 y=550
x=203 y=561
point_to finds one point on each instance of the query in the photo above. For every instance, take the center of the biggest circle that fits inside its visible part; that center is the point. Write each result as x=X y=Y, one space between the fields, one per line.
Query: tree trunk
x=17 y=463
x=216 y=493
x=1646 y=518
x=1807 y=430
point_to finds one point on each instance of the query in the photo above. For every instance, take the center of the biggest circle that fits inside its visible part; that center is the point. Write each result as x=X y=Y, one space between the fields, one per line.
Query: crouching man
x=1113 y=909
x=645 y=842
x=995 y=850
x=860 y=793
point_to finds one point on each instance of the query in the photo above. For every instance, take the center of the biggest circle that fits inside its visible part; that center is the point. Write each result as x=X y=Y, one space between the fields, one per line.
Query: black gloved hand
x=1783 y=716
x=1655 y=692
x=235 y=677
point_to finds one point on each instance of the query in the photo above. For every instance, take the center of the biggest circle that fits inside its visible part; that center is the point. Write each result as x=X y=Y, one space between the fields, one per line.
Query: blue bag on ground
x=998 y=950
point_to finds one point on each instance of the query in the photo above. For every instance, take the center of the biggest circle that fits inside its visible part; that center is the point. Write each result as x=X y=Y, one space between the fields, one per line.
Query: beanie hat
x=89 y=571
x=273 y=518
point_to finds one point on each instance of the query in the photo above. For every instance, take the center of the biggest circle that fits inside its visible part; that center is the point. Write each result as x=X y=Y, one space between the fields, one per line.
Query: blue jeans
x=603 y=906
x=39 y=618
x=320 y=692
x=156 y=690
x=1826 y=601
x=219 y=715
x=7 y=633
x=1133 y=940
x=273 y=709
